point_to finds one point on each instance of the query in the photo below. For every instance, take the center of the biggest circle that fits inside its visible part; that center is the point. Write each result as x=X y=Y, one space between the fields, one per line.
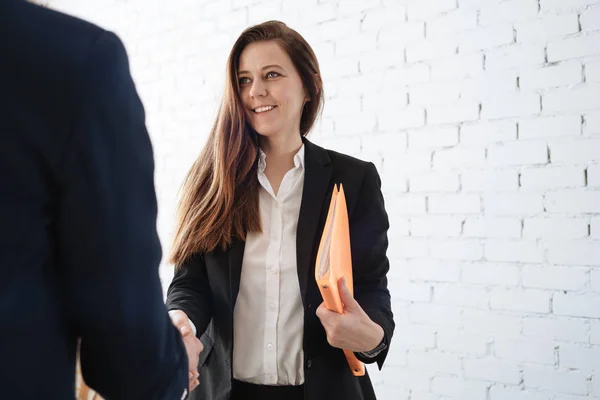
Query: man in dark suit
x=79 y=252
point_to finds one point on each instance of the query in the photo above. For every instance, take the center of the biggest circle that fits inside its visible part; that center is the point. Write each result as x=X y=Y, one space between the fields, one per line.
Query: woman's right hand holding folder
x=353 y=329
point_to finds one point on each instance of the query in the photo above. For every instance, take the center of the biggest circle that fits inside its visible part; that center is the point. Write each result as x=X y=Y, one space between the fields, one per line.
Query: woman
x=250 y=221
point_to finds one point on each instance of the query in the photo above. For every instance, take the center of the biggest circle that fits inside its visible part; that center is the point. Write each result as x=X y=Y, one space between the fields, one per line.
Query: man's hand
x=353 y=330
x=192 y=344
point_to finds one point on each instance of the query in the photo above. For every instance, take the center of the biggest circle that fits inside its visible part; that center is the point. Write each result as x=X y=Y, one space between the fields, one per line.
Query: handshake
x=193 y=346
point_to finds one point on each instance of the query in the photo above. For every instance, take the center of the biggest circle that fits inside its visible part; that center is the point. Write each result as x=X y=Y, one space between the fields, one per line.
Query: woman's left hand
x=353 y=330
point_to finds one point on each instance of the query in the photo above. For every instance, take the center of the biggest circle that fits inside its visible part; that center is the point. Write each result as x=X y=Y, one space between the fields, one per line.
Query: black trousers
x=249 y=391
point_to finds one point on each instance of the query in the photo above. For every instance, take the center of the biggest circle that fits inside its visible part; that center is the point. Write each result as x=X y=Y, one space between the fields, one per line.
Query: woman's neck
x=281 y=148
x=280 y=157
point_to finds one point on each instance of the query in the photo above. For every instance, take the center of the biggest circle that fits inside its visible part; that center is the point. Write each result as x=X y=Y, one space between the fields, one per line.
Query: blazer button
x=308 y=363
x=309 y=306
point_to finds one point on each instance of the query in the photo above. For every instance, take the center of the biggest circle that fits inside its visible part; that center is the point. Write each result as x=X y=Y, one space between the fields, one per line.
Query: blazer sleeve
x=190 y=292
x=107 y=244
x=368 y=235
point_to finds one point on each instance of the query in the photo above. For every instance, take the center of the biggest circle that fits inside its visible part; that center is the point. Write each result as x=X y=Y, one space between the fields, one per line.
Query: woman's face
x=271 y=90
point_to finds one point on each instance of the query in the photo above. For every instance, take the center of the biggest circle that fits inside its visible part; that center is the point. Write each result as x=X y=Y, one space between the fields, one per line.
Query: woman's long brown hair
x=219 y=198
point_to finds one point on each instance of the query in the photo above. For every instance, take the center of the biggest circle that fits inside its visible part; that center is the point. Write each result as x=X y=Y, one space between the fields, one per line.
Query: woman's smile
x=264 y=109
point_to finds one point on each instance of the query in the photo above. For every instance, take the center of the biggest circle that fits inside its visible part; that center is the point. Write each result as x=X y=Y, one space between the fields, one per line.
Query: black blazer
x=79 y=251
x=206 y=286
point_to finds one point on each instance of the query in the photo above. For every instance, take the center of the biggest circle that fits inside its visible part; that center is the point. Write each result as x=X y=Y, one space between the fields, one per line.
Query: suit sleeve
x=190 y=292
x=108 y=247
x=368 y=232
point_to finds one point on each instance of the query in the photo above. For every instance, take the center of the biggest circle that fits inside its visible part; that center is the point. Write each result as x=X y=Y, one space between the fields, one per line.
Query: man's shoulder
x=48 y=37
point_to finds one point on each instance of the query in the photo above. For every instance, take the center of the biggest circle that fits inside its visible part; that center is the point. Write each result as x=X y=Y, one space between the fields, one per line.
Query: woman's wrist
x=373 y=337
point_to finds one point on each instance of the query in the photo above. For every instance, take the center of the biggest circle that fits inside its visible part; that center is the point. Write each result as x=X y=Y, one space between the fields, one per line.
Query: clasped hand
x=193 y=346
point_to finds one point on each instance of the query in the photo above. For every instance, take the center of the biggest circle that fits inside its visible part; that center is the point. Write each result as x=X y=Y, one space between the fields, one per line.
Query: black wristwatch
x=376 y=350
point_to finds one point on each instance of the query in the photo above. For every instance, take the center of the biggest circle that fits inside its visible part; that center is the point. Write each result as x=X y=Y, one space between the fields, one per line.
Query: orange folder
x=334 y=261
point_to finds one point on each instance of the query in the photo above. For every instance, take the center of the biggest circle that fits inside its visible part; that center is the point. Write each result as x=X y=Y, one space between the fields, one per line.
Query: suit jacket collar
x=317 y=176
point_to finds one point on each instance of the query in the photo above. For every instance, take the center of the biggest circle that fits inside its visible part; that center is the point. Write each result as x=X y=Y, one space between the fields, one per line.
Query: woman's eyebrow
x=263 y=68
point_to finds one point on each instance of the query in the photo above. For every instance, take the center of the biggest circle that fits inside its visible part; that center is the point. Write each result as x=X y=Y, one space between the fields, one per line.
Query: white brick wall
x=452 y=387
x=557 y=329
x=483 y=118
x=546 y=26
x=557 y=381
x=549 y=127
x=529 y=350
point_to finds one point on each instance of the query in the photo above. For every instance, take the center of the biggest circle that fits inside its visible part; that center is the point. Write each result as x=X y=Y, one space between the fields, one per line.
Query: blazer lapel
x=236 y=255
x=317 y=177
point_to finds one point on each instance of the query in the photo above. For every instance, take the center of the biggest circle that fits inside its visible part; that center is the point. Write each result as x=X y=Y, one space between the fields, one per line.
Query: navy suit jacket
x=79 y=251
